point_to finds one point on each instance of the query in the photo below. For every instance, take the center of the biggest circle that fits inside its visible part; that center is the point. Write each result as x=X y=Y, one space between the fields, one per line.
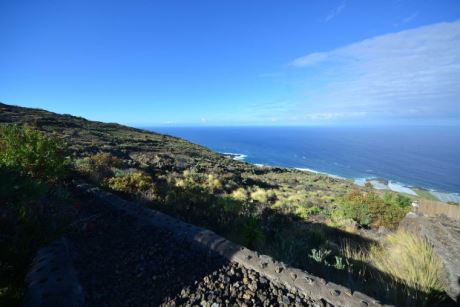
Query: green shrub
x=30 y=163
x=397 y=199
x=32 y=154
x=387 y=215
x=233 y=206
x=368 y=185
x=368 y=209
x=131 y=183
x=355 y=206
x=98 y=166
x=16 y=189
x=253 y=235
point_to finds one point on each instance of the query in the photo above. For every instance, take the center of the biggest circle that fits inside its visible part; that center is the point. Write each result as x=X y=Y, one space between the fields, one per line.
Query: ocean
x=425 y=157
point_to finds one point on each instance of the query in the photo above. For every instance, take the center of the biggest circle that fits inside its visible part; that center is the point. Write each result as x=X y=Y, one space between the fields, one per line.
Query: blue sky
x=234 y=62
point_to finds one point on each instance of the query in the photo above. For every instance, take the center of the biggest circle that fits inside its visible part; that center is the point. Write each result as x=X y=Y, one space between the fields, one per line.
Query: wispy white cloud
x=335 y=11
x=407 y=19
x=413 y=73
x=312 y=59
x=332 y=115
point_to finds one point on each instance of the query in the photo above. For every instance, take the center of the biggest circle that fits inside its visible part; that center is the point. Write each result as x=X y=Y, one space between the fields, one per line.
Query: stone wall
x=52 y=280
x=277 y=272
x=433 y=208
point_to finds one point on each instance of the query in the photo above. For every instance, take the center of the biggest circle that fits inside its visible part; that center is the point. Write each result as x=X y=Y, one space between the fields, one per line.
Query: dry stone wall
x=433 y=208
x=277 y=272
x=52 y=281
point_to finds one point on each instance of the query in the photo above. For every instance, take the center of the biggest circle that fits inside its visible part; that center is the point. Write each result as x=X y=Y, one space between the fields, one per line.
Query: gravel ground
x=234 y=285
x=123 y=263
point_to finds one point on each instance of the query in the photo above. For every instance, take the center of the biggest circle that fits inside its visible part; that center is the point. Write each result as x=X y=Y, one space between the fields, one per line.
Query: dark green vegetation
x=327 y=226
x=30 y=166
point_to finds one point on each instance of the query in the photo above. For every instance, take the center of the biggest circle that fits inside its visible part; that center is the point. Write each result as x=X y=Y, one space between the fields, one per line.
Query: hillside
x=326 y=226
x=86 y=137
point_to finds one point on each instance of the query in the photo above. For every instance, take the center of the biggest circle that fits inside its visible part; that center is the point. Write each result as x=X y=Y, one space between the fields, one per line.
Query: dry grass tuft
x=410 y=259
x=406 y=264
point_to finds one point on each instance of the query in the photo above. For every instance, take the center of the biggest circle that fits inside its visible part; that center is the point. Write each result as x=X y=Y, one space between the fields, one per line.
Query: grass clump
x=412 y=261
x=305 y=212
x=191 y=180
x=252 y=232
x=405 y=263
x=240 y=194
x=261 y=195
x=213 y=183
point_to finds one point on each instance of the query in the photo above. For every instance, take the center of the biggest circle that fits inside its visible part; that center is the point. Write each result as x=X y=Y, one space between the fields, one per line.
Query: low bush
x=397 y=199
x=355 y=206
x=368 y=209
x=31 y=166
x=30 y=163
x=32 y=154
x=131 y=183
x=99 y=166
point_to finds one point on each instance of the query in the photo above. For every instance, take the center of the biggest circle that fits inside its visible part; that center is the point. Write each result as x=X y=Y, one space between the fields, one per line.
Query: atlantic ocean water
x=426 y=157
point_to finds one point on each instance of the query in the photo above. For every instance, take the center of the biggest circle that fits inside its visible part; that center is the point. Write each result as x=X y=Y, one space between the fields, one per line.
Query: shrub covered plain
x=327 y=226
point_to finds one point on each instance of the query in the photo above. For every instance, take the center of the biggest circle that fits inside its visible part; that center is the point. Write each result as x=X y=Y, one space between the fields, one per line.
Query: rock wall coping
x=278 y=272
x=52 y=280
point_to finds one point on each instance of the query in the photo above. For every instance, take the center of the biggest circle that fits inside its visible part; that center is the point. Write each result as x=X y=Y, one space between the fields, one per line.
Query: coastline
x=376 y=182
